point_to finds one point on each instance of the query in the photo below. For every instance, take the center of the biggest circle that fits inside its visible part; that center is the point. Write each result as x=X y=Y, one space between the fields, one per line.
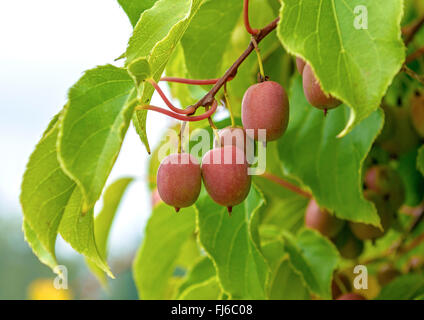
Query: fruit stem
x=165 y=99
x=249 y=29
x=190 y=81
x=340 y=284
x=180 y=137
x=258 y=54
x=228 y=104
x=283 y=183
x=177 y=116
x=213 y=126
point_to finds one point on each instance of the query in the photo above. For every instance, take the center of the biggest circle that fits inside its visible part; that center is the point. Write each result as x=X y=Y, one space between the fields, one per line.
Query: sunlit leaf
x=93 y=127
x=165 y=234
x=354 y=47
x=233 y=245
x=331 y=167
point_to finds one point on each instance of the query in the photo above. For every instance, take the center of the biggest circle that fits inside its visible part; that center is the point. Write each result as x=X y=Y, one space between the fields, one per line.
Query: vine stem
x=413 y=74
x=249 y=29
x=165 y=99
x=181 y=117
x=285 y=184
x=411 y=30
x=232 y=71
x=415 y=55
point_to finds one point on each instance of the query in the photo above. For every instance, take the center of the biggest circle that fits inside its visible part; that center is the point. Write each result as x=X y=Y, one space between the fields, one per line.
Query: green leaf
x=420 y=160
x=285 y=283
x=189 y=253
x=139 y=70
x=134 y=8
x=353 y=64
x=202 y=271
x=330 y=166
x=31 y=238
x=45 y=193
x=207 y=290
x=284 y=209
x=52 y=202
x=405 y=287
x=93 y=127
x=233 y=245
x=277 y=65
x=275 y=5
x=207 y=37
x=155 y=37
x=103 y=222
x=315 y=258
x=413 y=180
x=176 y=67
x=166 y=232
x=77 y=228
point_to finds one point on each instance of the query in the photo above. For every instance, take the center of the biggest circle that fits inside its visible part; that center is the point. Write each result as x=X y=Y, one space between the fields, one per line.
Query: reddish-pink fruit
x=179 y=180
x=351 y=296
x=225 y=175
x=265 y=106
x=313 y=92
x=321 y=220
x=300 y=64
x=232 y=136
x=366 y=231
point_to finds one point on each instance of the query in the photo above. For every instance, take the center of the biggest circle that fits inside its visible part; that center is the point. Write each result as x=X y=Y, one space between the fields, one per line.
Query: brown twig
x=415 y=243
x=208 y=99
x=415 y=55
x=413 y=74
x=283 y=183
x=410 y=31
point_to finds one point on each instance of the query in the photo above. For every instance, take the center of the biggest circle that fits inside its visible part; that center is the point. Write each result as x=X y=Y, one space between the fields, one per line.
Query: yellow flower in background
x=43 y=289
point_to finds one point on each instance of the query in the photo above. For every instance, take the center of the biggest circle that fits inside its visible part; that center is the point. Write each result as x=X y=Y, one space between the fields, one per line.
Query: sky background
x=45 y=46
